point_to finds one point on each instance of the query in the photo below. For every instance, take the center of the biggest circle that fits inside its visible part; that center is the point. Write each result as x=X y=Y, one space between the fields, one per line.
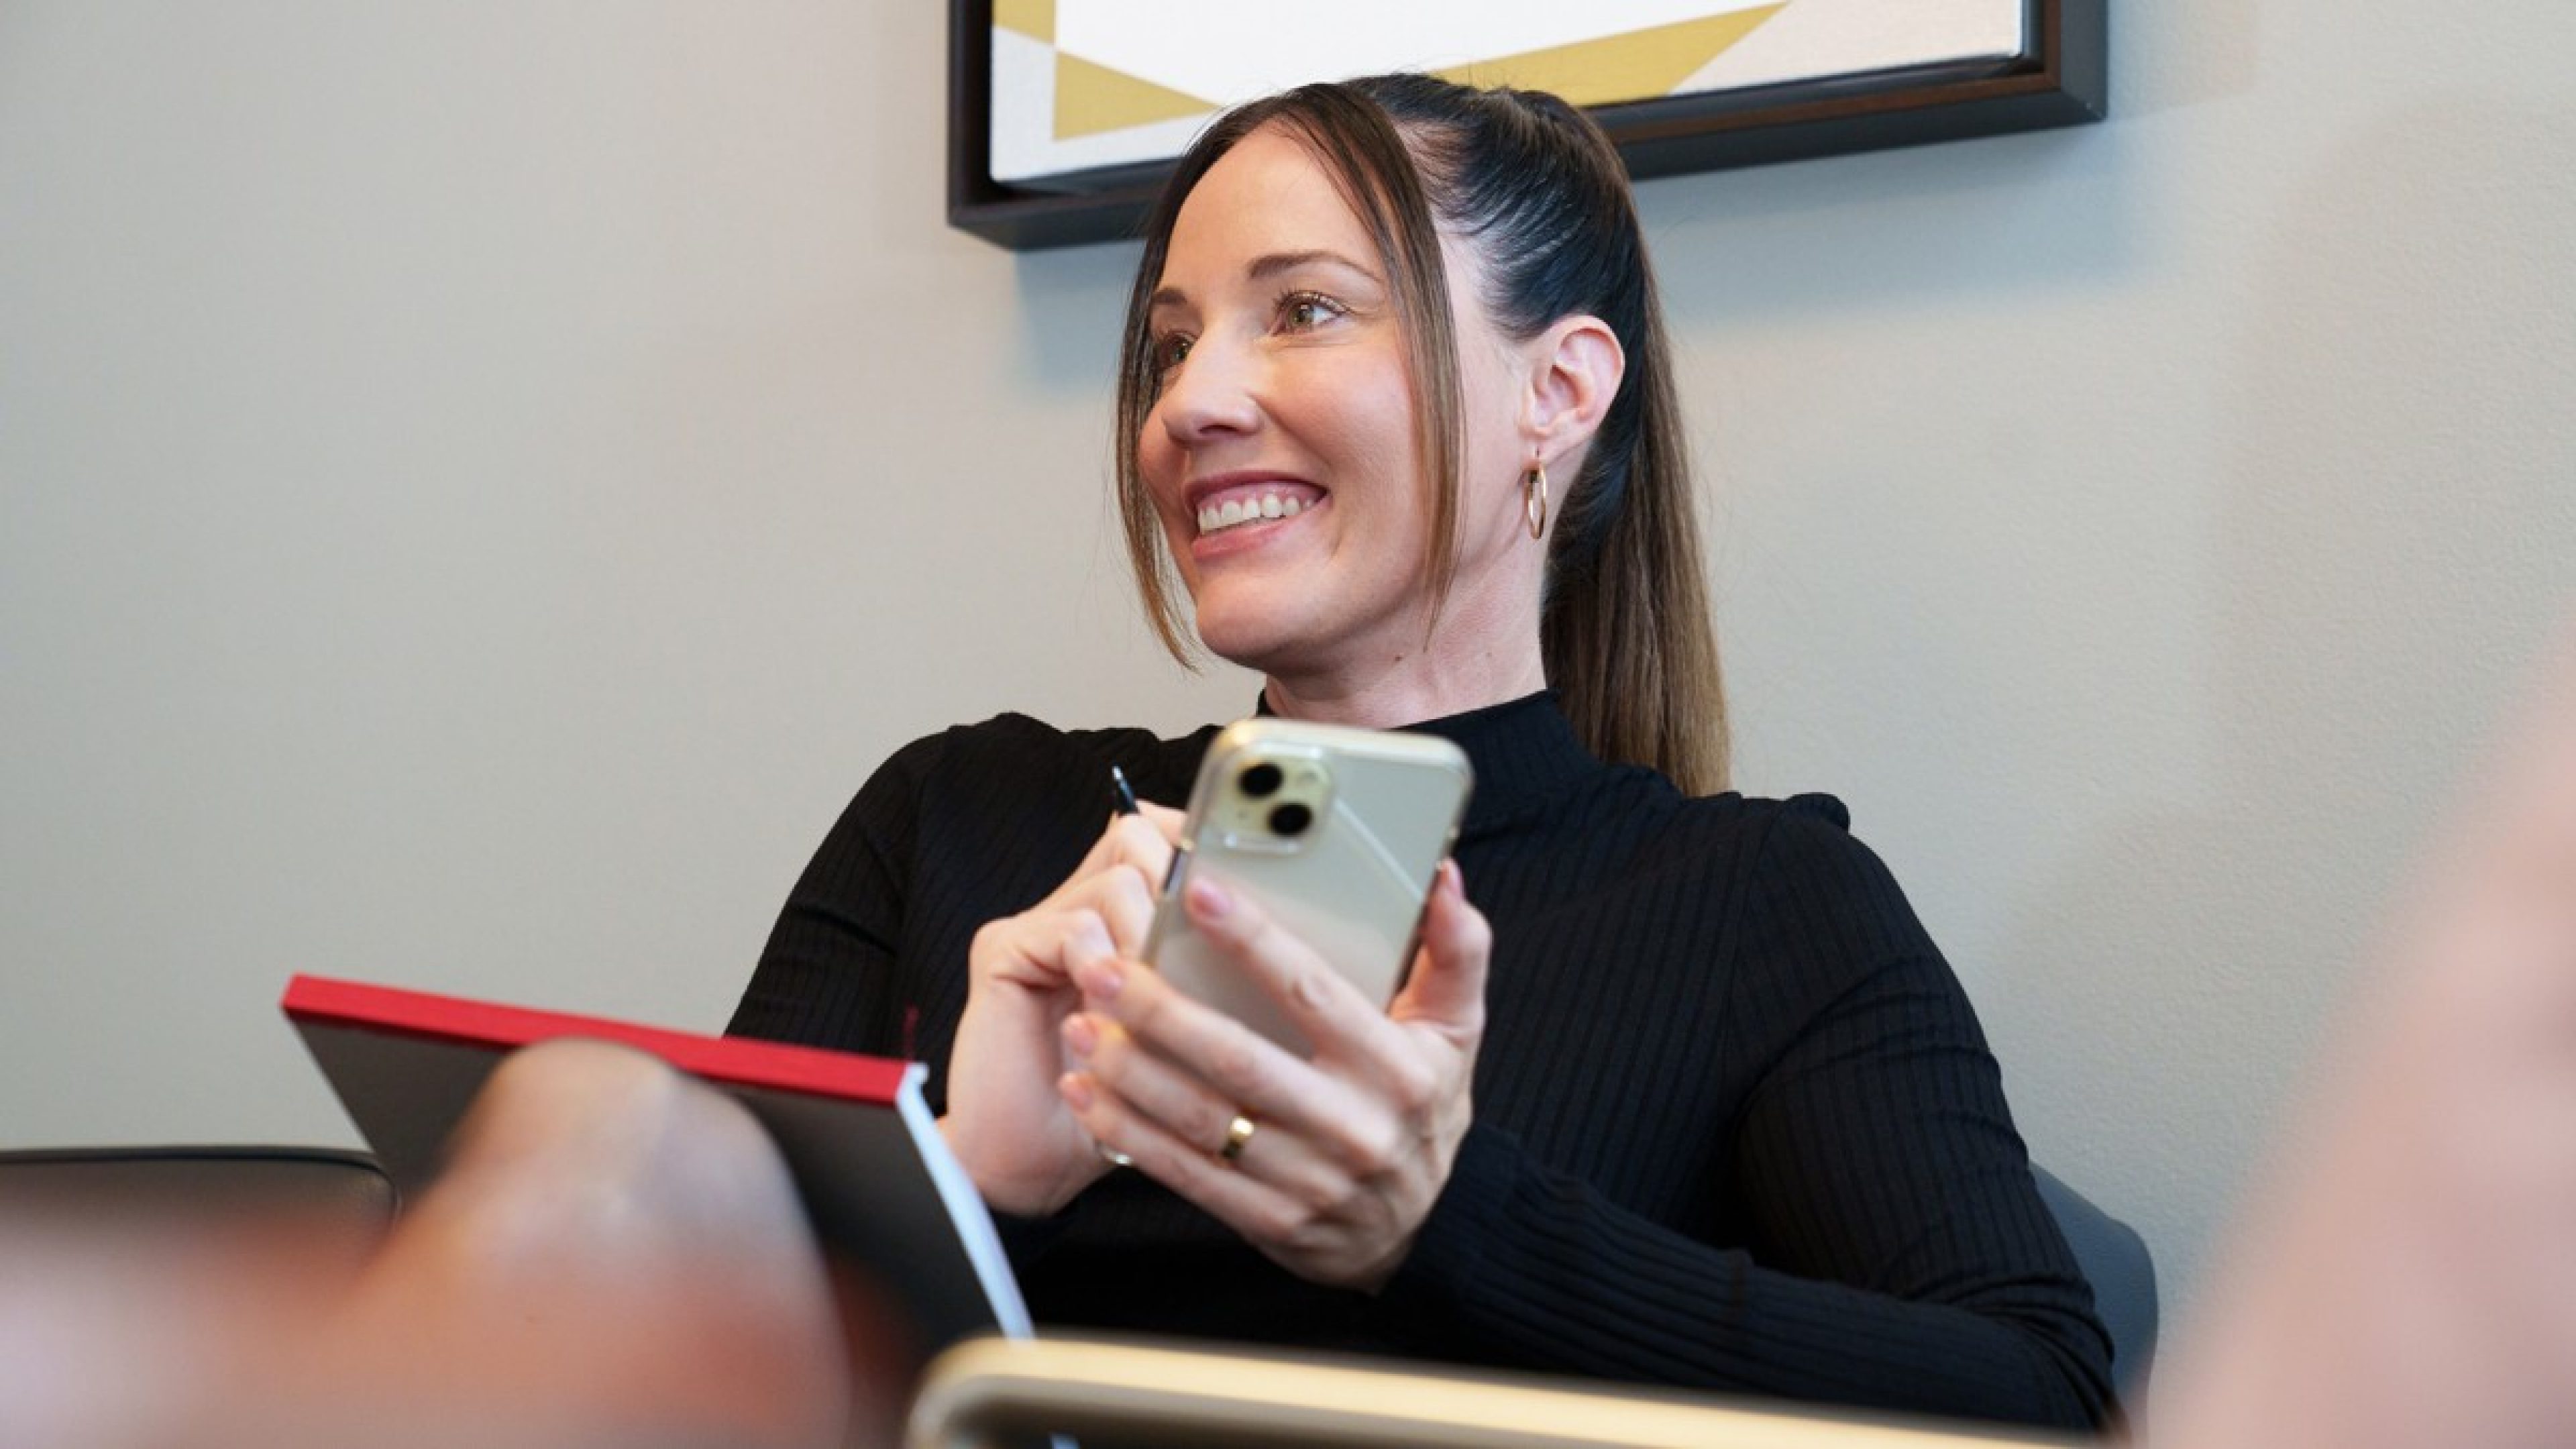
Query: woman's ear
x=1574 y=370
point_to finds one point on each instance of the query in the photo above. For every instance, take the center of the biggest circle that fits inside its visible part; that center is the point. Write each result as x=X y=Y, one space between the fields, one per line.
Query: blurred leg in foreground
x=614 y=1257
x=2411 y=1278
x=613 y=1248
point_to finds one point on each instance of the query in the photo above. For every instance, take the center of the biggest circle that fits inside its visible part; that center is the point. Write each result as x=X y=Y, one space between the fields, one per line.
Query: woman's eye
x=1304 y=311
x=1169 y=349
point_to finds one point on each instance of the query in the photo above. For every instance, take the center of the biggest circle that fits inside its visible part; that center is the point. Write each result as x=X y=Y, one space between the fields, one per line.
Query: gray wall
x=480 y=484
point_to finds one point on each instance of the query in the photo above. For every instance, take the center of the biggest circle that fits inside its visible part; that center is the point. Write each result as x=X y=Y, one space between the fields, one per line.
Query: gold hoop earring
x=1534 y=500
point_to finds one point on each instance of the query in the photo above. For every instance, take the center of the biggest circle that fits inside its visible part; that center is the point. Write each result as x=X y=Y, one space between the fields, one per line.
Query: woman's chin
x=1247 y=634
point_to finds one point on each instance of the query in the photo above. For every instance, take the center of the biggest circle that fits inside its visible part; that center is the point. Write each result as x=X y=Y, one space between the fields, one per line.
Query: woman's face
x=1280 y=453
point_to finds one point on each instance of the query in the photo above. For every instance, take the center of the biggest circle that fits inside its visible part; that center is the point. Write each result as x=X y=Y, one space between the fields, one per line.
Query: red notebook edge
x=737 y=1061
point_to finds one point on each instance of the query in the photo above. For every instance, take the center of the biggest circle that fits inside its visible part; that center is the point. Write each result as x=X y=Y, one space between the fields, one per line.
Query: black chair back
x=2123 y=1274
x=341 y=1197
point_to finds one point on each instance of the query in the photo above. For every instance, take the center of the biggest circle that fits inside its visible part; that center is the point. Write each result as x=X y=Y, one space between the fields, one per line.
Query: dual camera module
x=1260 y=784
x=1288 y=819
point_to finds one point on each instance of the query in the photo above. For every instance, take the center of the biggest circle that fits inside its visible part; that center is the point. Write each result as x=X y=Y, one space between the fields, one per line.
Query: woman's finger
x=1239 y=1070
x=1123 y=898
x=1040 y=948
x=1043 y=948
x=1228 y=1189
x=1238 y=1063
x=1184 y=1104
x=1324 y=1005
x=1446 y=991
x=1142 y=841
x=1165 y=820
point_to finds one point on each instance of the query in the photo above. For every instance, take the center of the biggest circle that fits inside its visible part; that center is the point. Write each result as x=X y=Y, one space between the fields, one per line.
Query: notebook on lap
x=878 y=1181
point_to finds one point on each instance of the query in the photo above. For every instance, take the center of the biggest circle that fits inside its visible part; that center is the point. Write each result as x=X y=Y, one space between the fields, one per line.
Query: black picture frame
x=2064 y=80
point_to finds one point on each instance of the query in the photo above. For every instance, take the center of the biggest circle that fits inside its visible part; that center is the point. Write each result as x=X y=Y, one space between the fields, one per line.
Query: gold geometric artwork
x=1091 y=98
x=1032 y=18
x=1641 y=63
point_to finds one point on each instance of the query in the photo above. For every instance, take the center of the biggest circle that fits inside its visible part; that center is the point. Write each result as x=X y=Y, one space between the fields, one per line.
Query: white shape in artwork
x=1813 y=38
x=1025 y=148
x=1233 y=50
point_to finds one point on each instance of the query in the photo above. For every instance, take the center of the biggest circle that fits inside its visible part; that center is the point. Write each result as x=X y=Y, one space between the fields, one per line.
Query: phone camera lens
x=1291 y=820
x=1260 y=782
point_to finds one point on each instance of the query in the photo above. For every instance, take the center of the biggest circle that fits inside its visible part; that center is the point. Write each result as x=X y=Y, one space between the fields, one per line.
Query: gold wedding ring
x=1237 y=1132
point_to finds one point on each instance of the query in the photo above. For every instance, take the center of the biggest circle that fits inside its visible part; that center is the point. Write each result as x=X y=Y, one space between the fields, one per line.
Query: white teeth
x=1217 y=516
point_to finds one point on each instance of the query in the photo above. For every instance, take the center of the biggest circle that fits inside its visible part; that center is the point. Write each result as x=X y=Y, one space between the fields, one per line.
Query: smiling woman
x=1677 y=1090
x=1279 y=373
x=1444 y=379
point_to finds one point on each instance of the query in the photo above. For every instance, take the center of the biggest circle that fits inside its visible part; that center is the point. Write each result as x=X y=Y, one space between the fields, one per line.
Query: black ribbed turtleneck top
x=1736 y=1127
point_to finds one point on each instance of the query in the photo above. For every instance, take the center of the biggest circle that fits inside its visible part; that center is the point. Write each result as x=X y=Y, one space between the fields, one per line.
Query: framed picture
x=1064 y=115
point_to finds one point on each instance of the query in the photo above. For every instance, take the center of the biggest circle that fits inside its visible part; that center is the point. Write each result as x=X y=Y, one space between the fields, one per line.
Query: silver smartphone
x=1334 y=832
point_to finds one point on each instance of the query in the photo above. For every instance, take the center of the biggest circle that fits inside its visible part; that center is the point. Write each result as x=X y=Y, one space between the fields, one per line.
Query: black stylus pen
x=1124 y=799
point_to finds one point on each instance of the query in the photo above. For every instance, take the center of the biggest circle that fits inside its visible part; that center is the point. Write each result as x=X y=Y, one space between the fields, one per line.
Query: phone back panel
x=1383 y=810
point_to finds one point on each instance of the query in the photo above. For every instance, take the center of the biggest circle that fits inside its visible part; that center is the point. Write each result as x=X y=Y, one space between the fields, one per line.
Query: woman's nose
x=1212 y=393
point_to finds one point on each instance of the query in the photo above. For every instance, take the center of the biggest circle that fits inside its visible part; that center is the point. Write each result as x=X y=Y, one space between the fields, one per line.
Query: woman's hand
x=1005 y=1121
x=1347 y=1151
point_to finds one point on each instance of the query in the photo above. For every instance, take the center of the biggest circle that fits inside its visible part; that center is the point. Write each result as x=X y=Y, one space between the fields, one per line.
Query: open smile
x=1234 y=513
x=1221 y=506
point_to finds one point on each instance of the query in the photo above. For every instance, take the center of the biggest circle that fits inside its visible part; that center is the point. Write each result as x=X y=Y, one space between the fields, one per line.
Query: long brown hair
x=1534 y=186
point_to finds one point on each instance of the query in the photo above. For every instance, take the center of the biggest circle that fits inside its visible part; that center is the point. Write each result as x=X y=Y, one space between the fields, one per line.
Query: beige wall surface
x=480 y=484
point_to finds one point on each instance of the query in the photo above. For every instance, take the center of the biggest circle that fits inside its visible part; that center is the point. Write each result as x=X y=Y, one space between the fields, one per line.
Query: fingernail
x=1075 y=1088
x=1080 y=1036
x=1209 y=900
x=1099 y=979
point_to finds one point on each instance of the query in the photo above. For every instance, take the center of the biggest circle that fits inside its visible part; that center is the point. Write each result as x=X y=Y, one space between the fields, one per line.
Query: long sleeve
x=829 y=975
x=1884 y=1245
x=1525 y=1264
x=1736 y=1127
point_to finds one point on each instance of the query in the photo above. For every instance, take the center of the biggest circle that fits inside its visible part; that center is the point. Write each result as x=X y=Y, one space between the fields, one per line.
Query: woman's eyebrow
x=1274 y=263
x=1268 y=265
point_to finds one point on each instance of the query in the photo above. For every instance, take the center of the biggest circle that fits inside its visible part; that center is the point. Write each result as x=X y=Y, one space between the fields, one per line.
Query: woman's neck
x=1408 y=690
x=1483 y=650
